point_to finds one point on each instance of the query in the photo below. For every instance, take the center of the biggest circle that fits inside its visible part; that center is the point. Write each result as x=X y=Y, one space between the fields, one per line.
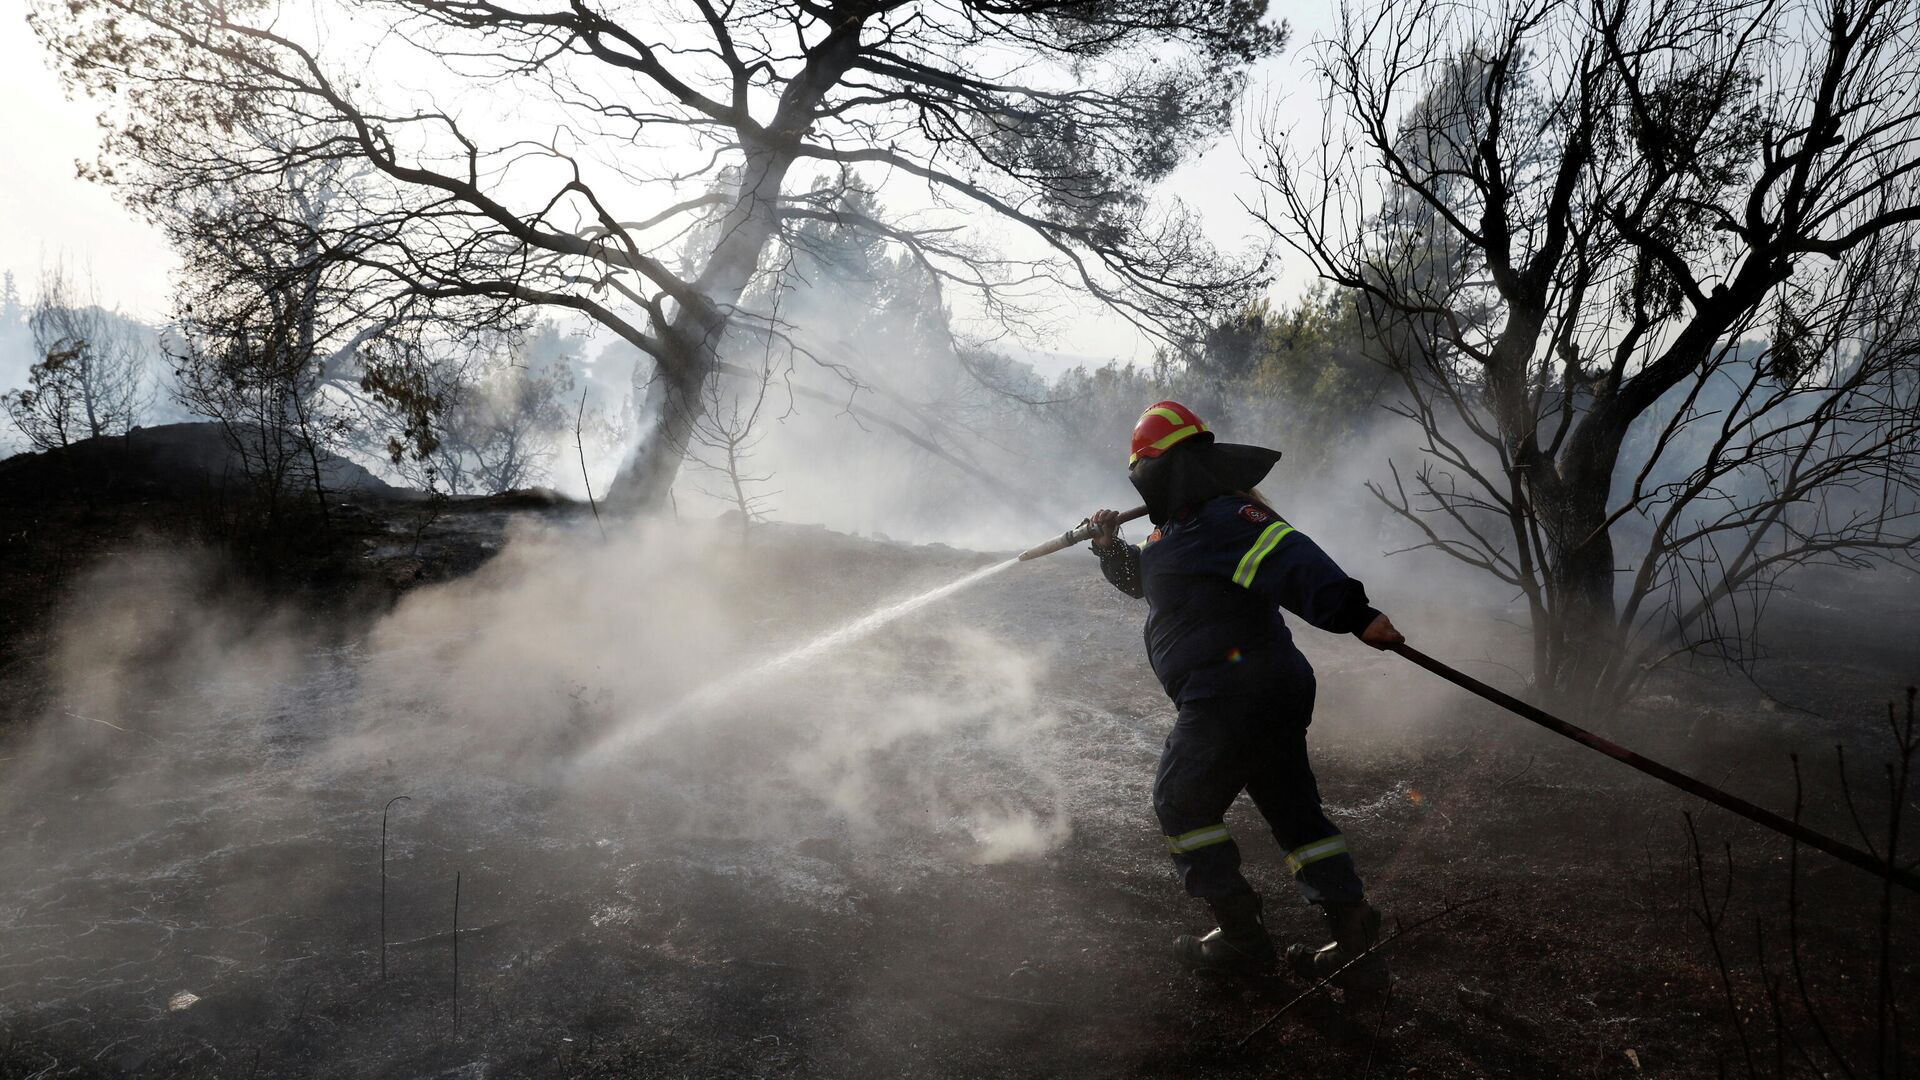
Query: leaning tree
x=1646 y=269
x=640 y=163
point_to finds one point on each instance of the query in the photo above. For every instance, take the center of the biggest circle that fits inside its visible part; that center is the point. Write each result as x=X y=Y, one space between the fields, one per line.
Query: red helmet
x=1163 y=425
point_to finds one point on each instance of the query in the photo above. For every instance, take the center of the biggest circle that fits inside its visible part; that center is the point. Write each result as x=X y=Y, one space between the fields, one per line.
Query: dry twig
x=383 y=878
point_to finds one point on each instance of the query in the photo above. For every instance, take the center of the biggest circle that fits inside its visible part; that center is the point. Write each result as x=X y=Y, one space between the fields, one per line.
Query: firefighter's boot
x=1355 y=929
x=1238 y=946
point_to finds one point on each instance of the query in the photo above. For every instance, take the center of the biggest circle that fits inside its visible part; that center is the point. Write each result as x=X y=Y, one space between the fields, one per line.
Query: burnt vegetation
x=1610 y=303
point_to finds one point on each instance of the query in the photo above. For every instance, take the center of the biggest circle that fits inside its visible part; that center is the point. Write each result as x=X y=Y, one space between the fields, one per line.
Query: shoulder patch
x=1256 y=514
x=1150 y=539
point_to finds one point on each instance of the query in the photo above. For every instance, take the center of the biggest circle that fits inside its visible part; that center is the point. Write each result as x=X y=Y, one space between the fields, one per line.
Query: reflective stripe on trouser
x=1219 y=748
x=1307 y=854
x=1197 y=839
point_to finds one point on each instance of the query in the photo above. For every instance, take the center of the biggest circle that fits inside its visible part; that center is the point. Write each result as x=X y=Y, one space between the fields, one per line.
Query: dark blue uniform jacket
x=1215 y=577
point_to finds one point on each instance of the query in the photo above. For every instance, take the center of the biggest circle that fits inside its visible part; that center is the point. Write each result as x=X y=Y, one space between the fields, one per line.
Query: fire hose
x=1079 y=534
x=1847 y=853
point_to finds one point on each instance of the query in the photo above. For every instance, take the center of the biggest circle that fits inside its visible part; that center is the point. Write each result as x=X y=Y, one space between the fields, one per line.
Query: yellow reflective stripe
x=1250 y=562
x=1171 y=417
x=1175 y=436
x=1168 y=440
x=1307 y=854
x=1198 y=838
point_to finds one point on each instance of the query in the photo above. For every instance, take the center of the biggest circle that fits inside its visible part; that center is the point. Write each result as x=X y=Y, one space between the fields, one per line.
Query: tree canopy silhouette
x=642 y=163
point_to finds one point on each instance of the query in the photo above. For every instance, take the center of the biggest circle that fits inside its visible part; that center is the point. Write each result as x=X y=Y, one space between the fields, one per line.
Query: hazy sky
x=47 y=214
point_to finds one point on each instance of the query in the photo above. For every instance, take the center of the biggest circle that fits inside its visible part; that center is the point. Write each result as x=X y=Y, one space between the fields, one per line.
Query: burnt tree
x=1565 y=217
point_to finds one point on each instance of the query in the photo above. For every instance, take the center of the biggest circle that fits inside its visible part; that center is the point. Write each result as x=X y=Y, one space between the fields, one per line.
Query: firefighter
x=1217 y=568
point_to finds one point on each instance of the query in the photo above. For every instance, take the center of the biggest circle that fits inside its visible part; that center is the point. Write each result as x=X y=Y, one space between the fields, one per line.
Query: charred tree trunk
x=671 y=404
x=691 y=352
x=1578 y=639
x=1581 y=613
x=1560 y=507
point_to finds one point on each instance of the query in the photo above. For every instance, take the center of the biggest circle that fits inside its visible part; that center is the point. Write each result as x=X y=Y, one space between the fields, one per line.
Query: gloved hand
x=1380 y=633
x=1106 y=531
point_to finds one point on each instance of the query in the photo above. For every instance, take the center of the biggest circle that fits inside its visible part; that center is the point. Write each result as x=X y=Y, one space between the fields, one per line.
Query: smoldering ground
x=204 y=789
x=192 y=860
x=928 y=852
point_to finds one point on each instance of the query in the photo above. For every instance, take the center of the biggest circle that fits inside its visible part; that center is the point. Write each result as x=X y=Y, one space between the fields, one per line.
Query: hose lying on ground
x=1846 y=853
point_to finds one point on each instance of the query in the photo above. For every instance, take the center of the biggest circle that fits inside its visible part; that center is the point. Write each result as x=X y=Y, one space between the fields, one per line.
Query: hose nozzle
x=1079 y=534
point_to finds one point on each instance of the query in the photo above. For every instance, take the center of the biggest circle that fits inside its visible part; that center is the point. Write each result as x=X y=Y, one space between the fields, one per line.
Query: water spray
x=627 y=735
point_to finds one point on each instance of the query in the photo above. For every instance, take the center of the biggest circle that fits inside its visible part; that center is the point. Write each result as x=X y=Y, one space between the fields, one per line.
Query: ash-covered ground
x=929 y=853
